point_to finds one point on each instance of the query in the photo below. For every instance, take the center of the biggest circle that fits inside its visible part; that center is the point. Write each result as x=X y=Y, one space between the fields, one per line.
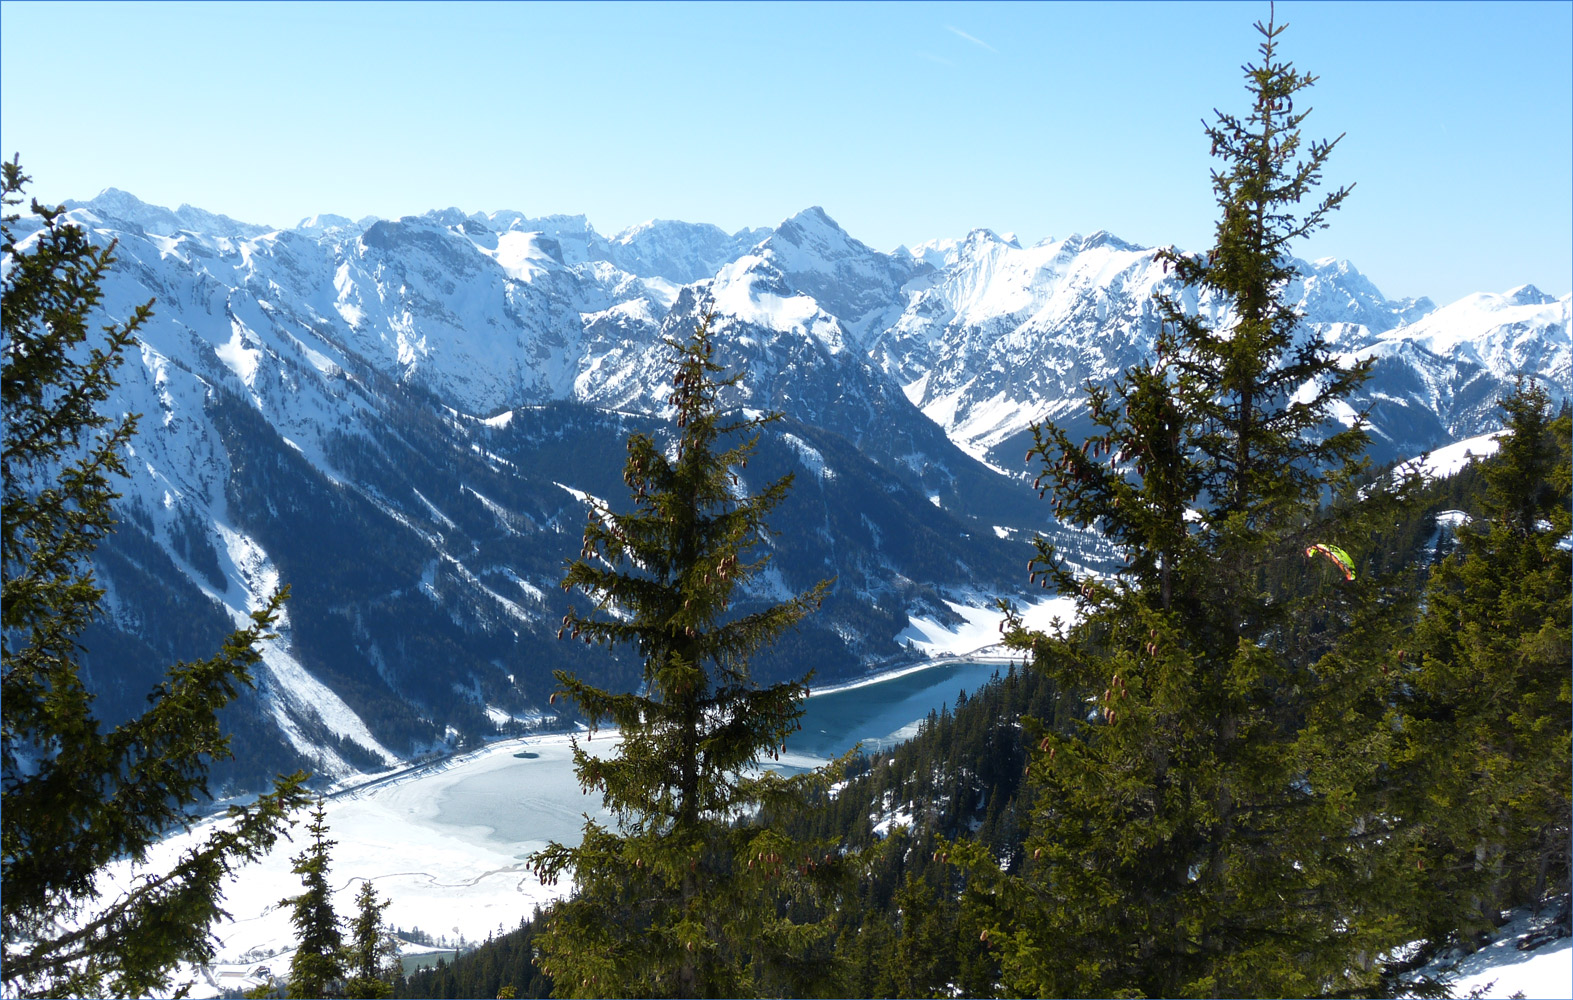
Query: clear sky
x=906 y=122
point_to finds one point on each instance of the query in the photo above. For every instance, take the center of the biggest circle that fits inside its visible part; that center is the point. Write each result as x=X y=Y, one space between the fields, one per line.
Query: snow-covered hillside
x=447 y=846
x=384 y=414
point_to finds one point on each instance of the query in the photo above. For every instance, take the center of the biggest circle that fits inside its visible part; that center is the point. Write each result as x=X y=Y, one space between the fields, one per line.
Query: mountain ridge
x=401 y=418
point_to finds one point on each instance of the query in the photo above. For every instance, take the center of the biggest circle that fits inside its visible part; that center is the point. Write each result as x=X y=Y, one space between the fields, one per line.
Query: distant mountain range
x=401 y=419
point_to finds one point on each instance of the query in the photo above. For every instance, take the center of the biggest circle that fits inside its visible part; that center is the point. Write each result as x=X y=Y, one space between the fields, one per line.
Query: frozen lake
x=447 y=844
x=883 y=712
x=515 y=804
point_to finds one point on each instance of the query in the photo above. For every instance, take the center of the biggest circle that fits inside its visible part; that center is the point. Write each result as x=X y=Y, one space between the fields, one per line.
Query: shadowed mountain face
x=404 y=420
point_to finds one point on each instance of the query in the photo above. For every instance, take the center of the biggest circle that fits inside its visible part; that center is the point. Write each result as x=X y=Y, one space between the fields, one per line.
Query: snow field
x=447 y=844
x=1499 y=969
x=1450 y=459
x=981 y=629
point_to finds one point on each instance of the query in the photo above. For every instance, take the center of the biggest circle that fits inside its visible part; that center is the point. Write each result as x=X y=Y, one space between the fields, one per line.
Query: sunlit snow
x=1451 y=459
x=979 y=632
x=290 y=690
x=238 y=355
x=445 y=844
x=810 y=456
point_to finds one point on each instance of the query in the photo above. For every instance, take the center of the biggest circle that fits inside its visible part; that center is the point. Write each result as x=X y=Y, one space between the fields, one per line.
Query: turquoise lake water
x=884 y=712
x=532 y=795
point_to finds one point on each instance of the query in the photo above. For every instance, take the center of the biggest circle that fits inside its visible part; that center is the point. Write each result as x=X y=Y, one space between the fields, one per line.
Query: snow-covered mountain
x=1002 y=336
x=403 y=419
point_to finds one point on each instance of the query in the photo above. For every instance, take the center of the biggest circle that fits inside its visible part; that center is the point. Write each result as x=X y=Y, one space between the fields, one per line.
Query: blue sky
x=906 y=122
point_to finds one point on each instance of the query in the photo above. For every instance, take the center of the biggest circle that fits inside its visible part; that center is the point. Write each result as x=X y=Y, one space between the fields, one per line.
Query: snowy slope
x=444 y=845
x=1520 y=330
x=375 y=412
x=1455 y=363
x=447 y=846
x=1527 y=957
x=1003 y=336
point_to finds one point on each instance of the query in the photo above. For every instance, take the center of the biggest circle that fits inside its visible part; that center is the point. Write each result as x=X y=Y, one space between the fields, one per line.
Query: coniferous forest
x=1303 y=739
x=1302 y=729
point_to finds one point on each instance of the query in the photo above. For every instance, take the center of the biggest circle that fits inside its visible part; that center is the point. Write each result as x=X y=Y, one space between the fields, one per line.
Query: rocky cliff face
x=403 y=420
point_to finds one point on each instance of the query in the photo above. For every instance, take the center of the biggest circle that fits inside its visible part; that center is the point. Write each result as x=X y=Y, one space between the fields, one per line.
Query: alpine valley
x=405 y=420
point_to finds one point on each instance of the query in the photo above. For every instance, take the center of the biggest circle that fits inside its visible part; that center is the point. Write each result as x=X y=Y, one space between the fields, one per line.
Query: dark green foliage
x=959 y=770
x=501 y=963
x=77 y=798
x=371 y=957
x=681 y=900
x=915 y=920
x=959 y=777
x=1488 y=717
x=319 y=961
x=1216 y=822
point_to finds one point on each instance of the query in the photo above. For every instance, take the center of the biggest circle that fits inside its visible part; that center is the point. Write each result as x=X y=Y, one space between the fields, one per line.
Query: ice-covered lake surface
x=515 y=803
x=449 y=843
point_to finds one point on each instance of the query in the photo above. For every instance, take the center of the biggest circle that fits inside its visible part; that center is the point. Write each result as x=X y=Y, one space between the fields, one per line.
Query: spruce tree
x=1218 y=824
x=75 y=798
x=1488 y=717
x=370 y=958
x=318 y=963
x=682 y=899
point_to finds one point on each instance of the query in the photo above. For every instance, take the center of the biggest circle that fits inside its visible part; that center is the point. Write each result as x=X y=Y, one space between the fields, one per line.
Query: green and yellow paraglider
x=1336 y=555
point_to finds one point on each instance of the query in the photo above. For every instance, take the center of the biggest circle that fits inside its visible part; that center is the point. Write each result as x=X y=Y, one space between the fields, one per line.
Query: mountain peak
x=679 y=251
x=1104 y=238
x=983 y=235
x=114 y=203
x=812 y=219
x=324 y=222
x=114 y=199
x=811 y=240
x=1527 y=295
x=451 y=216
x=667 y=228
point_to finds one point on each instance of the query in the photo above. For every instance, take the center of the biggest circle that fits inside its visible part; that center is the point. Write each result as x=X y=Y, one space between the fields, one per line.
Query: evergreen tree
x=1218 y=824
x=924 y=956
x=371 y=956
x=75 y=798
x=318 y=963
x=682 y=900
x=1488 y=720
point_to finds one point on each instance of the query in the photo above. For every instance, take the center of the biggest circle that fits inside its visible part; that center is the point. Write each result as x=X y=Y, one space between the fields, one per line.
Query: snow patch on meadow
x=1449 y=460
x=978 y=634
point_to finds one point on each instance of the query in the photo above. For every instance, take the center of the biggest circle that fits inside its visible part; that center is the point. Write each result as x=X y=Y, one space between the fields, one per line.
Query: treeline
x=1304 y=727
x=501 y=966
x=907 y=924
x=1300 y=741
